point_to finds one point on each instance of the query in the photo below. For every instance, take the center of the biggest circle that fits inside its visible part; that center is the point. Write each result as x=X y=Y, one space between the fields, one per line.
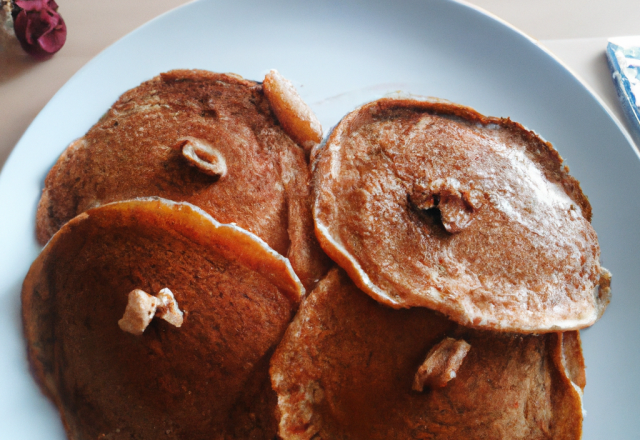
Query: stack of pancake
x=186 y=226
x=472 y=224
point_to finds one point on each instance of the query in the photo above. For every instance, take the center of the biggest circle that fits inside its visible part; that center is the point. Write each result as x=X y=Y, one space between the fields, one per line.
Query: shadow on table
x=13 y=60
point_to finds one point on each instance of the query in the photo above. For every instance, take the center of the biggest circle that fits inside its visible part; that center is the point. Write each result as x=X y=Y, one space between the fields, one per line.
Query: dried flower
x=39 y=28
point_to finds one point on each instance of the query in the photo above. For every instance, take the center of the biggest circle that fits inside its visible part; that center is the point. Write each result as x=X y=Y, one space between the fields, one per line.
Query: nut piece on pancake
x=168 y=308
x=207 y=379
x=441 y=365
x=206 y=138
x=345 y=368
x=203 y=156
x=292 y=112
x=142 y=307
x=430 y=204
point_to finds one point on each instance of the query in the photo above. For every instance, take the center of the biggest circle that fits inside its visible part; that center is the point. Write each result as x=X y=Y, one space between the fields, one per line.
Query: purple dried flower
x=39 y=28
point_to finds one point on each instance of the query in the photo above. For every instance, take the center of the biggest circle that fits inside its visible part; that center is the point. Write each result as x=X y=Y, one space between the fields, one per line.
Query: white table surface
x=574 y=30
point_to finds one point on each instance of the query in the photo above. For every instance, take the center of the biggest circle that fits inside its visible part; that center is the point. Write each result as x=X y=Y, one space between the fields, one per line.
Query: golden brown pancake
x=207 y=378
x=201 y=137
x=346 y=366
x=432 y=204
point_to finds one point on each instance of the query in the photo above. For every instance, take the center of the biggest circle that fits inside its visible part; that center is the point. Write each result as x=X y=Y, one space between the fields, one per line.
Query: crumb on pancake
x=441 y=364
x=296 y=117
x=140 y=310
x=203 y=156
x=168 y=308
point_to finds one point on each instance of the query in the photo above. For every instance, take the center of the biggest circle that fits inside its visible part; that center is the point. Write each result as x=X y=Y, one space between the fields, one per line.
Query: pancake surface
x=344 y=371
x=432 y=204
x=206 y=379
x=137 y=149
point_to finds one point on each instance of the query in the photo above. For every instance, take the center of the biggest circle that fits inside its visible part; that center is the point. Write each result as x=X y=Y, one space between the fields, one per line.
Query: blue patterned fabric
x=623 y=57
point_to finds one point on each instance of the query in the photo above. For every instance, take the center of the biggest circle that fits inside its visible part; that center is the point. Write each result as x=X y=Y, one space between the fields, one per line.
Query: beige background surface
x=574 y=30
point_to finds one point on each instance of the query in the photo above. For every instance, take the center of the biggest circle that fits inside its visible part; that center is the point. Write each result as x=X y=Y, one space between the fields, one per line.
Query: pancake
x=196 y=369
x=431 y=204
x=345 y=370
x=206 y=138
